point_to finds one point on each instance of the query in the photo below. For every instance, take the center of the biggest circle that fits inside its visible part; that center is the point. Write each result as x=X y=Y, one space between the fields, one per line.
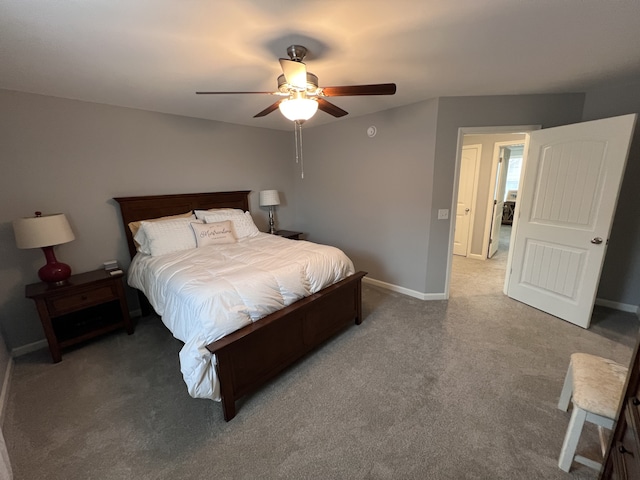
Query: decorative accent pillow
x=243 y=225
x=166 y=236
x=213 y=233
x=200 y=214
x=135 y=226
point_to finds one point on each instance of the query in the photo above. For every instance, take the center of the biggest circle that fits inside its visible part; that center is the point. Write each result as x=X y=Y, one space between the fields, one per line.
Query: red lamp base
x=53 y=272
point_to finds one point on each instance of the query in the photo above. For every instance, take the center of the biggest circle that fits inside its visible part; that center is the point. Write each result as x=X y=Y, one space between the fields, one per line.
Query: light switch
x=443 y=214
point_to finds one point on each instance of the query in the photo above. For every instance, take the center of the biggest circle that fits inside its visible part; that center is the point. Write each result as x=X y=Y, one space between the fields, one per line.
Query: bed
x=248 y=357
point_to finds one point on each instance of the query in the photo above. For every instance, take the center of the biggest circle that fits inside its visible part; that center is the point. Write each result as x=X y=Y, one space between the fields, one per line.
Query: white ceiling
x=154 y=54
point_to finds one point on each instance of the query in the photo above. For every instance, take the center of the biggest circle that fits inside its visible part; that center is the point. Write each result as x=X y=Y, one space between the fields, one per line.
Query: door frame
x=462 y=131
x=492 y=188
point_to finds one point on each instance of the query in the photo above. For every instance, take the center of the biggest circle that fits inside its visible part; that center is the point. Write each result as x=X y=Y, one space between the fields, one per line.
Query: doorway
x=487 y=191
x=564 y=213
x=491 y=142
x=505 y=181
x=483 y=188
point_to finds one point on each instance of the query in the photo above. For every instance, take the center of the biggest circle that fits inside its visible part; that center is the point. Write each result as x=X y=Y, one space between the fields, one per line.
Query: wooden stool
x=595 y=385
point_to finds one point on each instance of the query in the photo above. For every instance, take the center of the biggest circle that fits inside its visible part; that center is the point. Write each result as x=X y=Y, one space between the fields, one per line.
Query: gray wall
x=620 y=279
x=69 y=156
x=484 y=183
x=376 y=198
x=371 y=196
x=456 y=112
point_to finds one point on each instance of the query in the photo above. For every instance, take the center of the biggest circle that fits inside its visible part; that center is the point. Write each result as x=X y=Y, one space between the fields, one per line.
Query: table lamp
x=45 y=231
x=270 y=198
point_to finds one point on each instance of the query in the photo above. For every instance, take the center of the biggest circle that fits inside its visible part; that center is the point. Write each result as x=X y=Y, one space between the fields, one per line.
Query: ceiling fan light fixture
x=298 y=109
x=301 y=96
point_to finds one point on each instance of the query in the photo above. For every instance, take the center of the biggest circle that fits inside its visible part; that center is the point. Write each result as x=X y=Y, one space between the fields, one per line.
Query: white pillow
x=166 y=236
x=243 y=225
x=134 y=226
x=200 y=214
x=213 y=233
x=139 y=236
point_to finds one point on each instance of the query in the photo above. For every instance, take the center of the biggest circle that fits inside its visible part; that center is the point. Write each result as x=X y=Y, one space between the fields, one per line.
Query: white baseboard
x=475 y=256
x=623 y=307
x=404 y=291
x=40 y=344
x=4 y=393
x=31 y=347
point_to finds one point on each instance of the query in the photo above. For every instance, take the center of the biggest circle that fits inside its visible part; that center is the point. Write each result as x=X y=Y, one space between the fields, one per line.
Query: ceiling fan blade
x=234 y=93
x=268 y=110
x=349 y=90
x=330 y=108
x=295 y=73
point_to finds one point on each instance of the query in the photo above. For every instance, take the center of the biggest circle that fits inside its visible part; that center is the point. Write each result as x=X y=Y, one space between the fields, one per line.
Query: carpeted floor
x=458 y=389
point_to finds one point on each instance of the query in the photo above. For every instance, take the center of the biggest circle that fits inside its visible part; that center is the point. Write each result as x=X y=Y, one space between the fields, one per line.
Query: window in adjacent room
x=515 y=166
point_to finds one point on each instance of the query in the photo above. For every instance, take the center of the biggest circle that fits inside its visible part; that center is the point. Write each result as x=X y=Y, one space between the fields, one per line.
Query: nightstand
x=288 y=234
x=88 y=305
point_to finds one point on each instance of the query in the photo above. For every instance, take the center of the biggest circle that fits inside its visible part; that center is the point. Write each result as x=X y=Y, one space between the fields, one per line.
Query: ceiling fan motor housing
x=312 y=84
x=297 y=52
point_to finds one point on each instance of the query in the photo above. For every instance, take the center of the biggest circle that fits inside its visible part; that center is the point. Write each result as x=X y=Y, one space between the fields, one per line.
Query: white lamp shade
x=298 y=108
x=269 y=198
x=42 y=231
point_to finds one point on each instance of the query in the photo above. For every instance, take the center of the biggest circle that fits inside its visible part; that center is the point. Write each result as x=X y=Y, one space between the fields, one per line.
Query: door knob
x=596 y=240
x=466 y=210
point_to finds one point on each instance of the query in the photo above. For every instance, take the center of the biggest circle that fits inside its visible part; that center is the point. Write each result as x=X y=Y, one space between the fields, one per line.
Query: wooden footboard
x=249 y=357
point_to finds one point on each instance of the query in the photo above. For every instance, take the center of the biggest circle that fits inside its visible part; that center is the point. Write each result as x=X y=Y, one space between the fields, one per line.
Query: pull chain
x=297 y=130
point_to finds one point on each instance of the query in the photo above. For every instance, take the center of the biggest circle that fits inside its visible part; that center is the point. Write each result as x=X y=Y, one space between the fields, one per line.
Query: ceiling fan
x=301 y=94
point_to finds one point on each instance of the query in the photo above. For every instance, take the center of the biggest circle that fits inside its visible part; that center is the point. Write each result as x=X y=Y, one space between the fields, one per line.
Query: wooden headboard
x=154 y=206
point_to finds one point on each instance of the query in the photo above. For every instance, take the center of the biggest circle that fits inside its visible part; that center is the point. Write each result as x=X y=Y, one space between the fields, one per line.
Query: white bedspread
x=206 y=293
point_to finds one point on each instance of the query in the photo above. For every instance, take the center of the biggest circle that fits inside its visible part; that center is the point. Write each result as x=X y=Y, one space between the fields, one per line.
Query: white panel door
x=566 y=204
x=466 y=194
x=498 y=200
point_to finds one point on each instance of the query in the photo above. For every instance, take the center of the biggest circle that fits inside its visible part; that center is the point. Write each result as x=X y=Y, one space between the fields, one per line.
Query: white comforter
x=206 y=293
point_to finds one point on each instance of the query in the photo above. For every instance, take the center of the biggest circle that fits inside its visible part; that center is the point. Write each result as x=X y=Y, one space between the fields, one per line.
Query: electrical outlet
x=443 y=214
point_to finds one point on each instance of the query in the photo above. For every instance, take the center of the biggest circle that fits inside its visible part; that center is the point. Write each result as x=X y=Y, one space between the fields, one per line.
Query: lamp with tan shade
x=46 y=231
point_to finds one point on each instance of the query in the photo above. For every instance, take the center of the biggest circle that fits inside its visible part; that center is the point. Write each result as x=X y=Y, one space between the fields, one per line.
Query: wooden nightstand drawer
x=88 y=305
x=77 y=301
